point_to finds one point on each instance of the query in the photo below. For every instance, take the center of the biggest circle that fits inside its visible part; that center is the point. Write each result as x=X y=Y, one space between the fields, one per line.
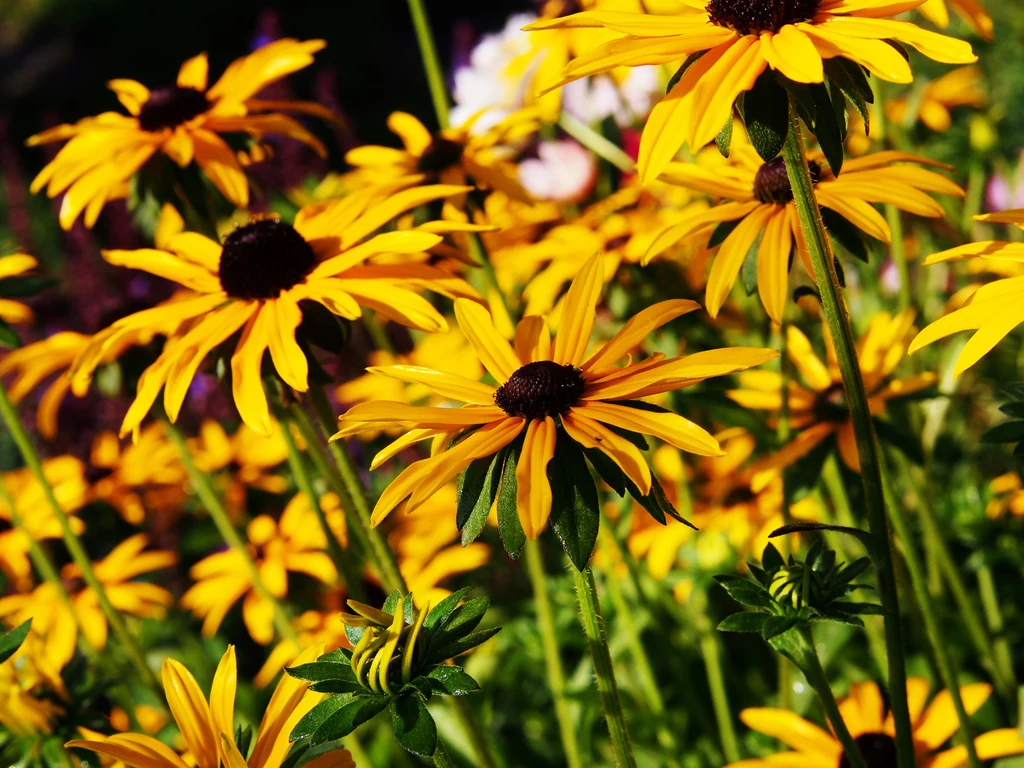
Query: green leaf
x=745 y=592
x=391 y=603
x=319 y=670
x=845 y=234
x=722 y=231
x=575 y=507
x=607 y=469
x=851 y=79
x=452 y=680
x=1016 y=410
x=413 y=725
x=461 y=622
x=674 y=80
x=748 y=272
x=743 y=622
x=861 y=609
x=776 y=625
x=766 y=114
x=349 y=717
x=1007 y=432
x=904 y=439
x=243 y=738
x=477 y=488
x=839 y=109
x=439 y=613
x=20 y=287
x=724 y=139
x=509 y=527
x=317 y=716
x=771 y=559
x=839 y=617
x=336 y=686
x=658 y=504
x=323 y=328
x=459 y=647
x=866 y=538
x=826 y=128
x=8 y=336
x=11 y=640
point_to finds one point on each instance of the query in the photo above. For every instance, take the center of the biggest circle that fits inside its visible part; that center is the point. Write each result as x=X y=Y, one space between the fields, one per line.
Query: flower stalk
x=74 y=544
x=219 y=514
x=593 y=626
x=431 y=62
x=838 y=319
x=552 y=657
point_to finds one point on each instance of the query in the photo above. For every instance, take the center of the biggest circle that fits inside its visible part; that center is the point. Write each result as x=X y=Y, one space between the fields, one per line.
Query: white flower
x=563 y=171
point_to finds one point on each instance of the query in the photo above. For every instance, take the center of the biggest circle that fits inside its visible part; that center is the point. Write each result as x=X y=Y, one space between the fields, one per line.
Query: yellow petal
x=533 y=491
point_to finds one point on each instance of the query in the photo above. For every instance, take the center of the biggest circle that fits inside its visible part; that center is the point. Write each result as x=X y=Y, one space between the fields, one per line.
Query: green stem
x=219 y=514
x=838 y=319
x=642 y=664
x=431 y=63
x=711 y=653
x=898 y=251
x=74 y=544
x=552 y=657
x=350 y=487
x=782 y=432
x=596 y=143
x=810 y=665
x=940 y=647
x=993 y=615
x=342 y=561
x=477 y=738
x=441 y=757
x=593 y=626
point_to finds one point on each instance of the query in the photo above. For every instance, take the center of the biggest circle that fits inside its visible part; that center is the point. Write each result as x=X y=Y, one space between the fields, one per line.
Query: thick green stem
x=350 y=488
x=596 y=143
x=1002 y=655
x=810 y=665
x=838 y=319
x=782 y=432
x=593 y=626
x=219 y=514
x=441 y=757
x=431 y=63
x=552 y=657
x=943 y=656
x=711 y=653
x=638 y=654
x=343 y=562
x=74 y=544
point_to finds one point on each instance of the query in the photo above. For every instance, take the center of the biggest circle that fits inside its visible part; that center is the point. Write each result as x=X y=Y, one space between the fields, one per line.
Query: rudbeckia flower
x=817 y=402
x=1007 y=496
x=295 y=544
x=31 y=691
x=208 y=727
x=760 y=204
x=994 y=309
x=185 y=121
x=740 y=40
x=452 y=156
x=548 y=391
x=253 y=283
x=15 y=265
x=52 y=620
x=963 y=87
x=873 y=730
x=971 y=11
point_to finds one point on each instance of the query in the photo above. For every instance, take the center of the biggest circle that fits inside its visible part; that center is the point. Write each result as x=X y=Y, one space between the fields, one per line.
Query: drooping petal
x=533 y=491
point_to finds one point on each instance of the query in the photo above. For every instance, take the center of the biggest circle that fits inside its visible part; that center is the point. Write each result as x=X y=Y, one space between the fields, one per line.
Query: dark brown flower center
x=263 y=258
x=616 y=242
x=752 y=17
x=877 y=749
x=540 y=389
x=439 y=156
x=739 y=495
x=171 y=106
x=771 y=183
x=830 y=405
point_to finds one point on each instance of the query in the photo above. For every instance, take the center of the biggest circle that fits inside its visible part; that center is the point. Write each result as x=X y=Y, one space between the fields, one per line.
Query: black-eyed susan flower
x=117 y=573
x=971 y=11
x=33 y=691
x=994 y=309
x=757 y=202
x=13 y=266
x=452 y=156
x=817 y=402
x=254 y=282
x=963 y=87
x=208 y=727
x=1007 y=493
x=185 y=121
x=293 y=544
x=550 y=396
x=872 y=729
x=739 y=41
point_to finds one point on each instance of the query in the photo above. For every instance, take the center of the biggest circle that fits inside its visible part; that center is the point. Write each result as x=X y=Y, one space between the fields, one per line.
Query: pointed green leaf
x=413 y=725
x=11 y=640
x=575 y=507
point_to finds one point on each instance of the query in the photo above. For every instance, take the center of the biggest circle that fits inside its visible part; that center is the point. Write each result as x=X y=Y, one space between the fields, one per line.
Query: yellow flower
x=739 y=42
x=1007 y=496
x=28 y=687
x=253 y=283
x=761 y=204
x=864 y=714
x=183 y=121
x=539 y=380
x=295 y=543
x=970 y=10
x=963 y=87
x=52 y=620
x=452 y=156
x=66 y=476
x=427 y=545
x=817 y=403
x=208 y=727
x=13 y=266
x=994 y=309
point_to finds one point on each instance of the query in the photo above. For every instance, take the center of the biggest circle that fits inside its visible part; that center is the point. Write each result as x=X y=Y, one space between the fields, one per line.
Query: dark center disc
x=171 y=106
x=543 y=388
x=877 y=749
x=263 y=258
x=752 y=17
x=771 y=183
